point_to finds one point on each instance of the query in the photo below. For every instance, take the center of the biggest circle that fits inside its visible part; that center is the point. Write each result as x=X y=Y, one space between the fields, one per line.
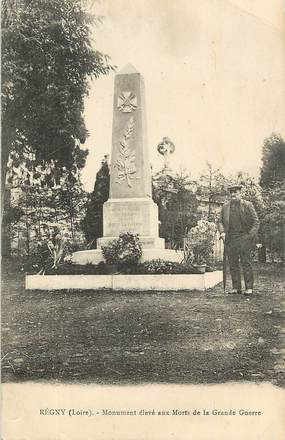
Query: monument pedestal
x=136 y=215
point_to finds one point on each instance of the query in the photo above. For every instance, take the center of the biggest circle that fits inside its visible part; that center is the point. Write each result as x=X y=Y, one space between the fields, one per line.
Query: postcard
x=143 y=158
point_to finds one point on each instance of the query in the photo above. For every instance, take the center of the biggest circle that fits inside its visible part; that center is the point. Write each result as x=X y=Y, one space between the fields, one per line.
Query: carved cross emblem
x=127 y=102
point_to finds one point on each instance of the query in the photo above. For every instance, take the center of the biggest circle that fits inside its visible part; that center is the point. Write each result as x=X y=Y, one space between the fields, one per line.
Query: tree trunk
x=7 y=135
x=72 y=227
x=6 y=227
x=27 y=228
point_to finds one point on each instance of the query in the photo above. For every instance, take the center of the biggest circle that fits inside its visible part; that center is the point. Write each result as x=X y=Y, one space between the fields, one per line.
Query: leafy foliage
x=159 y=266
x=199 y=244
x=36 y=206
x=251 y=191
x=273 y=220
x=126 y=250
x=212 y=186
x=151 y=267
x=177 y=205
x=48 y=252
x=68 y=268
x=273 y=161
x=47 y=59
x=92 y=224
x=56 y=248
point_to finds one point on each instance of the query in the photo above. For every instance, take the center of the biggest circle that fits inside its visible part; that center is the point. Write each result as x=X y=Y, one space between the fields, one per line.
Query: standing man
x=238 y=225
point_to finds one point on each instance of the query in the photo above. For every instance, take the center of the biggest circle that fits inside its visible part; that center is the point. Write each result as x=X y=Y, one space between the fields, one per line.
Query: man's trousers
x=239 y=251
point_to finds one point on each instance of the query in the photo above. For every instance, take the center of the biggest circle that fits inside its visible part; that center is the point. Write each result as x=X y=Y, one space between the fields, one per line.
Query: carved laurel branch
x=125 y=163
x=127 y=134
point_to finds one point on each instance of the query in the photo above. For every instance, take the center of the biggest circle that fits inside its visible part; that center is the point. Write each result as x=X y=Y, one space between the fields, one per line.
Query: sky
x=214 y=73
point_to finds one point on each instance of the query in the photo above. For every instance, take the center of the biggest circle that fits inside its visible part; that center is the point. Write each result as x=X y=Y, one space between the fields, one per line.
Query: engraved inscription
x=127 y=218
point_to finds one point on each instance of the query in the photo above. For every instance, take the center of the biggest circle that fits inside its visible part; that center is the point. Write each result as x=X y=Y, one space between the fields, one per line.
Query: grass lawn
x=167 y=337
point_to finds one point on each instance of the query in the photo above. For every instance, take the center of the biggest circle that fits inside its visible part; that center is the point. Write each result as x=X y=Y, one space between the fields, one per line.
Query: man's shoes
x=234 y=292
x=248 y=292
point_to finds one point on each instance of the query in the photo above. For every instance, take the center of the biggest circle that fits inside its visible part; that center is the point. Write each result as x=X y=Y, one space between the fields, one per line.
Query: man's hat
x=234 y=188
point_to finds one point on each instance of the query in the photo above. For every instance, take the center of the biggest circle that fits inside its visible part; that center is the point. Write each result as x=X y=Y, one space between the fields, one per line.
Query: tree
x=272 y=180
x=41 y=201
x=92 y=223
x=273 y=161
x=177 y=205
x=47 y=59
x=70 y=199
x=273 y=221
x=213 y=186
x=250 y=191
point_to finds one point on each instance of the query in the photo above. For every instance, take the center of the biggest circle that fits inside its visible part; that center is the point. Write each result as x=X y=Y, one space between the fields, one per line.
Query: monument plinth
x=130 y=207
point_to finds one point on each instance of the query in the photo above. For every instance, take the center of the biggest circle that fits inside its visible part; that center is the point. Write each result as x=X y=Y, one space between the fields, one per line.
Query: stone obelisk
x=130 y=207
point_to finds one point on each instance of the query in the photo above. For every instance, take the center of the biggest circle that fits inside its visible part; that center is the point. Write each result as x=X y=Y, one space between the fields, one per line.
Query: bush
x=199 y=244
x=74 y=246
x=50 y=251
x=79 y=269
x=126 y=250
x=158 y=266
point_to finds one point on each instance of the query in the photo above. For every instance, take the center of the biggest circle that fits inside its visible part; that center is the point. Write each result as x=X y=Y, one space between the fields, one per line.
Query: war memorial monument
x=130 y=207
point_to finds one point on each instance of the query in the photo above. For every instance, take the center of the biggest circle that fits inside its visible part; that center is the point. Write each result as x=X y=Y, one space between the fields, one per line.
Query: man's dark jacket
x=249 y=219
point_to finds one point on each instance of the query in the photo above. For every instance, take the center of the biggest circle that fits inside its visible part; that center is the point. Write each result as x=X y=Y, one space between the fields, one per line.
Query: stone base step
x=94 y=256
x=124 y=282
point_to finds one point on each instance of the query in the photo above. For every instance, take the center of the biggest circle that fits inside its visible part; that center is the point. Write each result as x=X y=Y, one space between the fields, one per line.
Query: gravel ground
x=162 y=337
